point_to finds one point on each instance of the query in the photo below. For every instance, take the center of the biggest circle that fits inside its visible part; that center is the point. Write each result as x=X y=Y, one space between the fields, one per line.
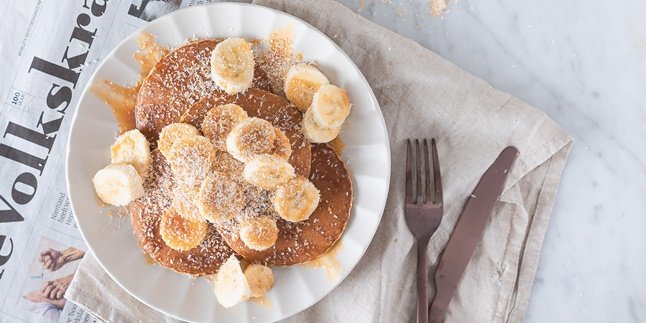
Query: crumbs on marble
x=437 y=7
x=434 y=8
x=362 y=4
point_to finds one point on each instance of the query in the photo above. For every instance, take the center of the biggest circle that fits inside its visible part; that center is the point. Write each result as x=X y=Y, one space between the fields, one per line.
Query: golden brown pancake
x=180 y=88
x=266 y=105
x=179 y=80
x=145 y=214
x=304 y=241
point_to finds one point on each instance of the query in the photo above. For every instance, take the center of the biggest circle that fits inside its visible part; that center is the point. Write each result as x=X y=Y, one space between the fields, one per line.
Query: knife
x=468 y=232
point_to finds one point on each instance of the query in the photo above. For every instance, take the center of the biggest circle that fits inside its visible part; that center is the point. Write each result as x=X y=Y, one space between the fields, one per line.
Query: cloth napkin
x=421 y=95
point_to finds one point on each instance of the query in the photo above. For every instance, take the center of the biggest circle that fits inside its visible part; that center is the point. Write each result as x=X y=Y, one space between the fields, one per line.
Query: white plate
x=366 y=153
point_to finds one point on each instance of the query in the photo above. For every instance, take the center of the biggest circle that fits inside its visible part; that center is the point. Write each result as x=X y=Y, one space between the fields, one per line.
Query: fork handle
x=422 y=281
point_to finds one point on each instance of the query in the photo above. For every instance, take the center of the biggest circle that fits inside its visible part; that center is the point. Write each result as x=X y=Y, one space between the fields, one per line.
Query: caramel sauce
x=263 y=301
x=210 y=278
x=255 y=41
x=328 y=262
x=99 y=201
x=150 y=54
x=149 y=259
x=337 y=144
x=122 y=99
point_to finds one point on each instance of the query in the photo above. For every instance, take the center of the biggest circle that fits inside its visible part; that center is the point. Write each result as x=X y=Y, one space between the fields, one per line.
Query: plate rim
x=381 y=209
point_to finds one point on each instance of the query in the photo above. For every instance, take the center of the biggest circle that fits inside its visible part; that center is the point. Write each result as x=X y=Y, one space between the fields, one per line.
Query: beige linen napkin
x=421 y=95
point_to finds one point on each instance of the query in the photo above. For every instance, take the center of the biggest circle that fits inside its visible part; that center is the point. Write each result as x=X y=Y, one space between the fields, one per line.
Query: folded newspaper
x=48 y=56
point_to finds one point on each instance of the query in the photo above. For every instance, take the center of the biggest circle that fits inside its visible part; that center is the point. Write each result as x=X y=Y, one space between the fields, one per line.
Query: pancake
x=145 y=215
x=304 y=241
x=266 y=105
x=180 y=79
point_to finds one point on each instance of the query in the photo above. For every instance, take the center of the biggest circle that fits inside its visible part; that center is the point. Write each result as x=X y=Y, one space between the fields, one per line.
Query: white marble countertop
x=584 y=64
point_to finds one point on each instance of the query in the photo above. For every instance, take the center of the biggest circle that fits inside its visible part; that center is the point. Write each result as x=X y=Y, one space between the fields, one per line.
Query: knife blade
x=468 y=232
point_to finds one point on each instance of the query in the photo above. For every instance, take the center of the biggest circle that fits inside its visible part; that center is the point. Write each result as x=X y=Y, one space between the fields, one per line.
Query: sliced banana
x=191 y=160
x=330 y=106
x=251 y=137
x=181 y=233
x=219 y=122
x=232 y=65
x=231 y=286
x=282 y=146
x=315 y=133
x=184 y=204
x=301 y=82
x=226 y=164
x=296 y=200
x=259 y=233
x=260 y=279
x=268 y=171
x=132 y=148
x=172 y=134
x=221 y=198
x=118 y=184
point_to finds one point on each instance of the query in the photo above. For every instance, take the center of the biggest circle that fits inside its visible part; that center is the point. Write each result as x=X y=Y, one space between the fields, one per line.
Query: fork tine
x=409 y=172
x=428 y=190
x=437 y=178
x=419 y=174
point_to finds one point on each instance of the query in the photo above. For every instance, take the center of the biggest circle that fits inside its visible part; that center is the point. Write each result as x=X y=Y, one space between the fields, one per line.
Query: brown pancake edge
x=145 y=215
x=304 y=241
x=179 y=80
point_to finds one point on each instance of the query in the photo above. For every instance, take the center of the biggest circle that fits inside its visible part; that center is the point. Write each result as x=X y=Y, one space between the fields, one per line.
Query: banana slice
x=219 y=122
x=258 y=233
x=231 y=286
x=251 y=137
x=330 y=106
x=296 y=200
x=191 y=160
x=118 y=184
x=260 y=279
x=184 y=204
x=301 y=82
x=232 y=65
x=226 y=164
x=315 y=133
x=132 y=148
x=221 y=198
x=282 y=146
x=172 y=134
x=268 y=171
x=181 y=233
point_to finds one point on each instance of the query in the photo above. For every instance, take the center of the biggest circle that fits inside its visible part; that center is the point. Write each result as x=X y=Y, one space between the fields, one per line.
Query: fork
x=423 y=211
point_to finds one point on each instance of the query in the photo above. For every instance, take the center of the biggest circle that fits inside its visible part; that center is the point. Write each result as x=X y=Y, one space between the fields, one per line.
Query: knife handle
x=468 y=232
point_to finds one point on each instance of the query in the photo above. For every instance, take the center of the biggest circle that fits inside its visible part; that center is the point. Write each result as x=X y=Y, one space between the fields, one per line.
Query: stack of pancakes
x=180 y=89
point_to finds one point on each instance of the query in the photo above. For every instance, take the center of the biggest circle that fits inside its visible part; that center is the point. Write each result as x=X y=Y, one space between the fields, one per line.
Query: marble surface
x=583 y=64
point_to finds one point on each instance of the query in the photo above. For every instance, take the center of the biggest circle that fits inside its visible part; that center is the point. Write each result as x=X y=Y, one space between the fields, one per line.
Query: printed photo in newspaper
x=149 y=10
x=49 y=275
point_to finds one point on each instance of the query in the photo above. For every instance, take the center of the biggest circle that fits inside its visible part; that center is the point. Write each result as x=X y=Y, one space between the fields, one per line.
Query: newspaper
x=49 y=51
